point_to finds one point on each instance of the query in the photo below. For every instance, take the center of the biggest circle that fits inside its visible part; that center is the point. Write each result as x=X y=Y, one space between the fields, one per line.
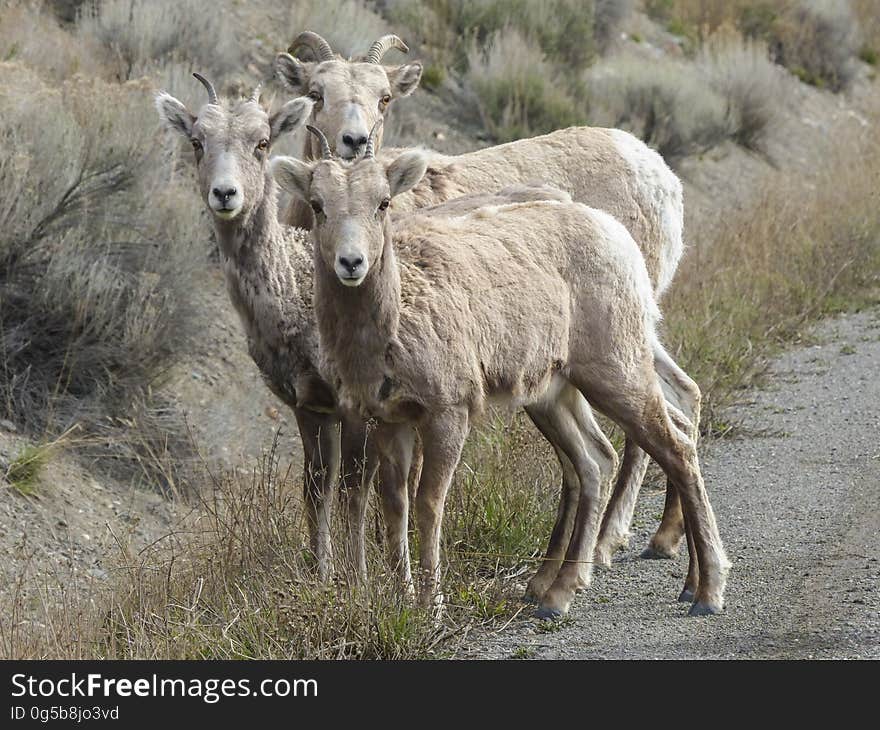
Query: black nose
x=224 y=194
x=351 y=264
x=354 y=142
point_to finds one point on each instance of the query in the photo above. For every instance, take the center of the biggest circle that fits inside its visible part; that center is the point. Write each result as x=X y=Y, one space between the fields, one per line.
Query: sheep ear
x=293 y=175
x=406 y=171
x=294 y=74
x=290 y=117
x=404 y=79
x=174 y=114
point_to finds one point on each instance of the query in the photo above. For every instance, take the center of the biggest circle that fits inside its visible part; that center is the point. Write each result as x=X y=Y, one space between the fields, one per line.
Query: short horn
x=369 y=150
x=383 y=45
x=314 y=42
x=209 y=87
x=326 y=154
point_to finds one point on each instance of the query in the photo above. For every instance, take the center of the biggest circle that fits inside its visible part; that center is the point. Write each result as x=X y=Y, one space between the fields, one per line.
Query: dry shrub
x=803 y=249
x=867 y=14
x=817 y=41
x=609 y=16
x=97 y=251
x=35 y=39
x=751 y=85
x=517 y=91
x=350 y=26
x=569 y=32
x=139 y=36
x=668 y=104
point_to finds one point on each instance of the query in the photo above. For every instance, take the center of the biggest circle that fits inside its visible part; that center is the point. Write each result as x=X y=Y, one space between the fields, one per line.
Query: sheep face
x=349 y=96
x=231 y=143
x=350 y=203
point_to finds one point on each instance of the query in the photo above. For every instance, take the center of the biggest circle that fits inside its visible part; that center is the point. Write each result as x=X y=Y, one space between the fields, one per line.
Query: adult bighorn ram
x=423 y=323
x=604 y=168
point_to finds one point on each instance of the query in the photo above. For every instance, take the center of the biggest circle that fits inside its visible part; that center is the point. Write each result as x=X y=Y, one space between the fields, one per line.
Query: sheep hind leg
x=614 y=533
x=568 y=499
x=644 y=415
x=572 y=429
x=686 y=394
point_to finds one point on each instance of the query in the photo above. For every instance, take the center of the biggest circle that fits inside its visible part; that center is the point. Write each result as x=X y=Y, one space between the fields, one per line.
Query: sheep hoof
x=655 y=553
x=687 y=595
x=548 y=614
x=704 y=609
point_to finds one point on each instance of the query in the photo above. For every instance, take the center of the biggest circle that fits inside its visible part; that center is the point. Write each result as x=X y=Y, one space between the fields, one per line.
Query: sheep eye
x=316 y=207
x=315 y=96
x=263 y=145
x=196 y=144
x=383 y=206
x=385 y=100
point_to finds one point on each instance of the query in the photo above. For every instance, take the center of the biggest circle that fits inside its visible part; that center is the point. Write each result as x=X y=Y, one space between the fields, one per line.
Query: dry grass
x=235 y=580
x=804 y=249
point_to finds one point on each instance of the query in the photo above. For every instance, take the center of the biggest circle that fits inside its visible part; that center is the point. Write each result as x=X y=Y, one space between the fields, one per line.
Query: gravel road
x=796 y=492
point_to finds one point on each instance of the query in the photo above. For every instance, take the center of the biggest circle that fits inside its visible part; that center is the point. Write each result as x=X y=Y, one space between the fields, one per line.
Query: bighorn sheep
x=604 y=168
x=526 y=302
x=268 y=270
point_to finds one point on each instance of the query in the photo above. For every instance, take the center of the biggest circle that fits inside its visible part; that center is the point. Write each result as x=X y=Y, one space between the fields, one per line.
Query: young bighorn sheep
x=268 y=270
x=525 y=303
x=607 y=169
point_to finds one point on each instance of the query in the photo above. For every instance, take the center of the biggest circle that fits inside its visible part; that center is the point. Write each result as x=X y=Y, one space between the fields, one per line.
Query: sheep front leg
x=443 y=435
x=396 y=443
x=320 y=437
x=359 y=464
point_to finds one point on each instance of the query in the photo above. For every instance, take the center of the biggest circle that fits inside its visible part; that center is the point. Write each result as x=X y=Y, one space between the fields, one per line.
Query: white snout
x=225 y=195
x=352 y=269
x=225 y=199
x=352 y=137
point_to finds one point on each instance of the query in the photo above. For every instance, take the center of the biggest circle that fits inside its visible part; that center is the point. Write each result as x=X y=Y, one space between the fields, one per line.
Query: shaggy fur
x=268 y=271
x=516 y=302
x=607 y=169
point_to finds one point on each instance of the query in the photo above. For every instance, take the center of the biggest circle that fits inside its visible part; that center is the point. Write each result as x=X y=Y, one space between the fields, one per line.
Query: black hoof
x=703 y=609
x=652 y=553
x=686 y=596
x=548 y=614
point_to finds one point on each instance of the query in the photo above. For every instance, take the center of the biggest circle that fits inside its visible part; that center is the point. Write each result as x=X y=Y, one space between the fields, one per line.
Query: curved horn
x=209 y=87
x=255 y=97
x=326 y=154
x=314 y=42
x=383 y=45
x=369 y=150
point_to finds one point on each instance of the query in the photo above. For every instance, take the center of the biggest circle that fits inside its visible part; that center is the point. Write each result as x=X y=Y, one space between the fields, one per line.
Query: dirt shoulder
x=796 y=494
